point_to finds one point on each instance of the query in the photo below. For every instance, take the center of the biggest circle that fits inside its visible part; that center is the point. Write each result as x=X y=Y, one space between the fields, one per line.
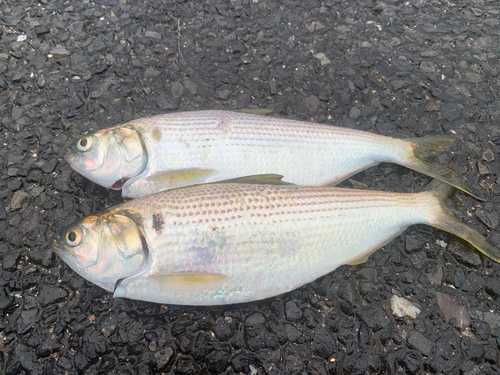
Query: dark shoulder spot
x=158 y=223
x=156 y=135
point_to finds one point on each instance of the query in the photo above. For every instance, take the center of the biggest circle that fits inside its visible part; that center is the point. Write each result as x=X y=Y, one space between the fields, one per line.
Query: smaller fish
x=227 y=243
x=169 y=151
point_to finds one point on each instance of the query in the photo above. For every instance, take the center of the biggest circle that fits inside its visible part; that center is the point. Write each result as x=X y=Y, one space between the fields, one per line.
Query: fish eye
x=74 y=237
x=85 y=143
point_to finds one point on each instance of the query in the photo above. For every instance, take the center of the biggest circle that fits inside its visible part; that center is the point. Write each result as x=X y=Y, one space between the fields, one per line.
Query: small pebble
x=488 y=156
x=421 y=343
x=14 y=185
x=322 y=59
x=428 y=67
x=292 y=311
x=452 y=309
x=402 y=308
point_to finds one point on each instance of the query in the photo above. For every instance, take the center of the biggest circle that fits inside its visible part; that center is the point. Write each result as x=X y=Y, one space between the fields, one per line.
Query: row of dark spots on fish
x=270 y=195
x=282 y=216
x=215 y=201
x=255 y=217
x=259 y=205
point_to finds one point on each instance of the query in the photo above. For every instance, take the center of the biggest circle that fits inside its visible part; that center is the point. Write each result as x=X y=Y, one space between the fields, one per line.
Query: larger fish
x=228 y=243
x=148 y=155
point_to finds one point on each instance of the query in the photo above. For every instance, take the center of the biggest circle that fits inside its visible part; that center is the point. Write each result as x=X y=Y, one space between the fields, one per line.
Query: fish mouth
x=59 y=242
x=56 y=244
x=59 y=249
x=73 y=147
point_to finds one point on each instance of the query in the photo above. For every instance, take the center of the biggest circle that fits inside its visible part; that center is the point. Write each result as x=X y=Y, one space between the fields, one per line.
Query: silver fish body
x=174 y=150
x=229 y=243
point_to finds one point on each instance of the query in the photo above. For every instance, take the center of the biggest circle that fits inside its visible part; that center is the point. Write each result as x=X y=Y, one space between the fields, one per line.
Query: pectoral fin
x=189 y=282
x=179 y=178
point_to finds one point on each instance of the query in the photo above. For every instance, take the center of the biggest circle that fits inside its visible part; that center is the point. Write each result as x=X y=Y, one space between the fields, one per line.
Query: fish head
x=103 y=249
x=109 y=157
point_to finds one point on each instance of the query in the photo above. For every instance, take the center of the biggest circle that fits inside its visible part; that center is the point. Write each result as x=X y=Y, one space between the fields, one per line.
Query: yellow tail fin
x=424 y=148
x=446 y=220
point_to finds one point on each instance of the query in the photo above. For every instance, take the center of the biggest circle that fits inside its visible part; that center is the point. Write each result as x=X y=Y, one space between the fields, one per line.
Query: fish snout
x=69 y=154
x=71 y=150
x=57 y=242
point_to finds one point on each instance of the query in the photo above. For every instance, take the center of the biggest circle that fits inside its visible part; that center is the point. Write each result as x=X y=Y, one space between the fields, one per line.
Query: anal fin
x=366 y=255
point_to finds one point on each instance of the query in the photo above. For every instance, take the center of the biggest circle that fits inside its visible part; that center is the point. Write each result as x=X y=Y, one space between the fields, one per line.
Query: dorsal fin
x=254 y=111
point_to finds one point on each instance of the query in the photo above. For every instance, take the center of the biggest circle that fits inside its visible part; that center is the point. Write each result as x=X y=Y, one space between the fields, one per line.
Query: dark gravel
x=400 y=68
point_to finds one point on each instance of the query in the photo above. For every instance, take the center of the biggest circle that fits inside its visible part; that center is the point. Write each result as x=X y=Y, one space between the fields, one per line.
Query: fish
x=169 y=151
x=227 y=243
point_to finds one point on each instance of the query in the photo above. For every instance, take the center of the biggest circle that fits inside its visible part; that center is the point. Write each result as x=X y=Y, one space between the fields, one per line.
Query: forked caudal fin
x=424 y=148
x=446 y=220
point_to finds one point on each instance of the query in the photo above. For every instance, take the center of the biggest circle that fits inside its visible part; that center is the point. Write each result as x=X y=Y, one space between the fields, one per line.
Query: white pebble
x=401 y=308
